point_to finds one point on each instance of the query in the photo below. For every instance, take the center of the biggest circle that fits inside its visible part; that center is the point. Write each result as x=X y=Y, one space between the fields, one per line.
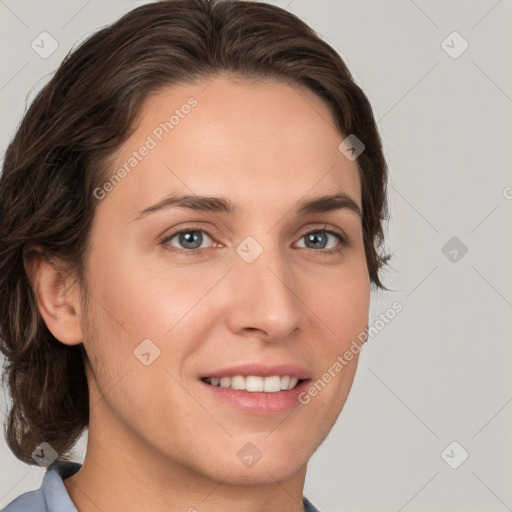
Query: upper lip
x=262 y=370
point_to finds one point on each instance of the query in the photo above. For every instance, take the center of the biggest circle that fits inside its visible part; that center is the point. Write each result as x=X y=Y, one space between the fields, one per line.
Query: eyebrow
x=321 y=204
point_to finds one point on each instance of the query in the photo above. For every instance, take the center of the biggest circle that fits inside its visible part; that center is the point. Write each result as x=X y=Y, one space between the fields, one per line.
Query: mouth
x=255 y=383
x=257 y=389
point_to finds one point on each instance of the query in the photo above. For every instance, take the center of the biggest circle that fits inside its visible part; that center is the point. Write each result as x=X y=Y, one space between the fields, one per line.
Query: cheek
x=137 y=302
x=352 y=309
x=341 y=301
x=110 y=364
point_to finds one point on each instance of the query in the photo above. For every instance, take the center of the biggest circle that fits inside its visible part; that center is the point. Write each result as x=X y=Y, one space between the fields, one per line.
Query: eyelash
x=344 y=242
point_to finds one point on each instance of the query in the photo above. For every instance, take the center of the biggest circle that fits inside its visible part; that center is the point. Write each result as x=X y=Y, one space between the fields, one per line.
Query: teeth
x=237 y=382
x=254 y=383
x=272 y=384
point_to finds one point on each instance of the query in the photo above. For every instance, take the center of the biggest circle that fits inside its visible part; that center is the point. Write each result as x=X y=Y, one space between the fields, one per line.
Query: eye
x=319 y=238
x=188 y=239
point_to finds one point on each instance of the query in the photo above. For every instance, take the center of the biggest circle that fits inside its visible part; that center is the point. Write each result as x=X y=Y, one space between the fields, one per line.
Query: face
x=248 y=285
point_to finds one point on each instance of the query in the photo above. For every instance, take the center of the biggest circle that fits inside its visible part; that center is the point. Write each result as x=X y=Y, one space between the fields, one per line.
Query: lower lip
x=260 y=402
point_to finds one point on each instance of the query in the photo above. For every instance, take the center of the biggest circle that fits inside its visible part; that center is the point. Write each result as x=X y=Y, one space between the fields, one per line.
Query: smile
x=254 y=383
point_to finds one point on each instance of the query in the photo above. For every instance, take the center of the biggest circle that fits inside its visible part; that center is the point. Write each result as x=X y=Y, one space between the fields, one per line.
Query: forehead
x=265 y=141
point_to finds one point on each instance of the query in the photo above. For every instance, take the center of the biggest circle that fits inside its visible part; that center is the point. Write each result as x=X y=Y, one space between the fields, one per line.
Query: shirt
x=52 y=496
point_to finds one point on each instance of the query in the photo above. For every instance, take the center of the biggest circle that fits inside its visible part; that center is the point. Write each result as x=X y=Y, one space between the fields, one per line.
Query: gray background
x=440 y=371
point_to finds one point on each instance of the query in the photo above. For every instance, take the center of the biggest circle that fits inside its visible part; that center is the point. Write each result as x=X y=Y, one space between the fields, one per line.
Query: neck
x=121 y=472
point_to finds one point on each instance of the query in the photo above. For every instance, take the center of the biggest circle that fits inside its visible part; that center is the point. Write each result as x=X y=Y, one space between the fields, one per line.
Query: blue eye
x=320 y=238
x=190 y=239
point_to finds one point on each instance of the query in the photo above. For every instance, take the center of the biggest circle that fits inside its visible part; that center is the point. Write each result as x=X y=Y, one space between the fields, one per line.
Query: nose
x=263 y=299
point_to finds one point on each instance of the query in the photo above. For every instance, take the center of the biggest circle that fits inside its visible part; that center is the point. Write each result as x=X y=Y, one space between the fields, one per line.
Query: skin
x=157 y=440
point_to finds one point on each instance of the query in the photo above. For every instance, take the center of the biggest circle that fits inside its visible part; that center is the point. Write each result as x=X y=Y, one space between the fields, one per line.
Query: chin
x=263 y=461
x=262 y=473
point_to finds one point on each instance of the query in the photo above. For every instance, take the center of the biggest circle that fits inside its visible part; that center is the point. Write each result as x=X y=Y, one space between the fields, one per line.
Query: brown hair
x=60 y=153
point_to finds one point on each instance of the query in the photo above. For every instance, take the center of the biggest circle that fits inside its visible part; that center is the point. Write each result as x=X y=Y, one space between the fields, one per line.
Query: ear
x=57 y=295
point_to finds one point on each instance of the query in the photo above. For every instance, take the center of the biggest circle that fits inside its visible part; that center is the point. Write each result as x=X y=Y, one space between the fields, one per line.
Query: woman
x=191 y=217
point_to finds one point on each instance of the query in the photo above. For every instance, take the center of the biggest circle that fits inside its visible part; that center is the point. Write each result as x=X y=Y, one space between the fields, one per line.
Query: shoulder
x=308 y=506
x=51 y=495
x=32 y=501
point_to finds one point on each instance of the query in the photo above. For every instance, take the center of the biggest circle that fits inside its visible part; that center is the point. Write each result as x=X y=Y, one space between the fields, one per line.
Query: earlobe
x=57 y=297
